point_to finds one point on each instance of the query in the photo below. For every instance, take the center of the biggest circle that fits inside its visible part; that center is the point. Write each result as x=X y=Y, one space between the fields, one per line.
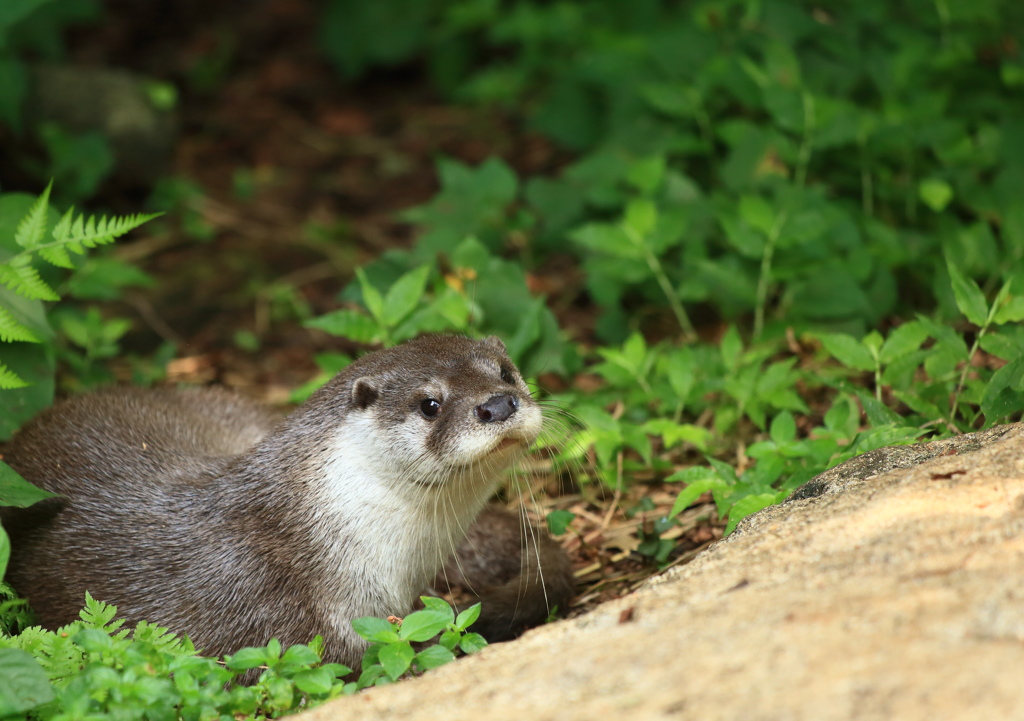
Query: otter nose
x=497 y=408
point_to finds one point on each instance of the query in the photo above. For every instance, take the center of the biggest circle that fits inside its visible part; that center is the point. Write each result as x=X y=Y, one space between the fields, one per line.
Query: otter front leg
x=519 y=574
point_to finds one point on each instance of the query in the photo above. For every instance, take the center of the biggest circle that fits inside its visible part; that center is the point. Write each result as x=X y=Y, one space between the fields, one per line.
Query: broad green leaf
x=757 y=213
x=317 y=681
x=247 y=658
x=641 y=219
x=744 y=238
x=433 y=603
x=606 y=238
x=468 y=617
x=1012 y=312
x=731 y=347
x=348 y=324
x=903 y=339
x=694 y=491
x=673 y=433
x=783 y=428
x=424 y=625
x=747 y=506
x=969 y=298
x=396 y=658
x=472 y=642
x=23 y=683
x=301 y=655
x=878 y=413
x=372 y=298
x=647 y=174
x=558 y=521
x=403 y=297
x=433 y=656
x=375 y=629
x=935 y=193
x=16 y=491
x=1005 y=391
x=848 y=350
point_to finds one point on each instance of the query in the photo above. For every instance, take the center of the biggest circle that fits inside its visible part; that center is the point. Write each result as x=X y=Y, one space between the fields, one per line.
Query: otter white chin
x=204 y=512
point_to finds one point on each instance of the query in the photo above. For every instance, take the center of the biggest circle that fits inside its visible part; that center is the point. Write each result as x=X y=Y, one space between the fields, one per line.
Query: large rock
x=892 y=587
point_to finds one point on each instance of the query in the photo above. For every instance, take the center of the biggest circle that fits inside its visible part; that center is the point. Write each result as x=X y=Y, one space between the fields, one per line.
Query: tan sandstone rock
x=892 y=588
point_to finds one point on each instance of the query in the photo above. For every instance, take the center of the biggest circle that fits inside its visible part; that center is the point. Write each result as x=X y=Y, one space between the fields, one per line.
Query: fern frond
x=11 y=330
x=9 y=380
x=25 y=281
x=56 y=255
x=83 y=232
x=32 y=227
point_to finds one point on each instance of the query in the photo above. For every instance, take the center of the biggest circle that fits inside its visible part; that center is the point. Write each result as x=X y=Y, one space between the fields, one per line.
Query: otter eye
x=507 y=376
x=430 y=407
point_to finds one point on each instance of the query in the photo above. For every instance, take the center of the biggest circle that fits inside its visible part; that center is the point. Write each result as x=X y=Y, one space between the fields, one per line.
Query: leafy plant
x=392 y=653
x=96 y=668
x=32 y=237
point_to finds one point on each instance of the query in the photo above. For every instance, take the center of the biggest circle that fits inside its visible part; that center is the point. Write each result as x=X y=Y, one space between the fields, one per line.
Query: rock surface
x=892 y=587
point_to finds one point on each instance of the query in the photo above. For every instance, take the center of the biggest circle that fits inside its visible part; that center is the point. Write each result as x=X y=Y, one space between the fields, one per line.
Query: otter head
x=441 y=407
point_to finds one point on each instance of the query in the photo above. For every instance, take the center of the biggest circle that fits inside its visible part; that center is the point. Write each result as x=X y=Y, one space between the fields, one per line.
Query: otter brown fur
x=201 y=511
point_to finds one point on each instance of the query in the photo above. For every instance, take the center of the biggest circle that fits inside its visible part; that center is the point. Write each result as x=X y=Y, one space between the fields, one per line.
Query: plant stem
x=689 y=332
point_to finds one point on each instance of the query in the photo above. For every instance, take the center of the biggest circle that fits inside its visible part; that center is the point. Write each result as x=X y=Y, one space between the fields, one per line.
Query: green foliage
x=481 y=294
x=95 y=668
x=392 y=653
x=32 y=31
x=34 y=241
x=794 y=164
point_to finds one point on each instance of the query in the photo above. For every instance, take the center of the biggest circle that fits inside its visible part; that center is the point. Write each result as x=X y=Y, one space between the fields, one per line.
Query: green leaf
x=1011 y=312
x=23 y=683
x=641 y=219
x=747 y=506
x=25 y=281
x=316 y=681
x=472 y=642
x=903 y=340
x=404 y=295
x=878 y=413
x=757 y=213
x=396 y=658
x=1004 y=393
x=424 y=625
x=375 y=629
x=647 y=174
x=469 y=616
x=433 y=657
x=783 y=428
x=32 y=228
x=558 y=521
x=935 y=193
x=16 y=491
x=247 y=658
x=606 y=238
x=348 y=323
x=372 y=298
x=695 y=490
x=300 y=655
x=847 y=350
x=969 y=298
x=731 y=348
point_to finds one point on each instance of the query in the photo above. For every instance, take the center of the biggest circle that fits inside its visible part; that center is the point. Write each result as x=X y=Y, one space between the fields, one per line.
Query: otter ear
x=495 y=342
x=364 y=392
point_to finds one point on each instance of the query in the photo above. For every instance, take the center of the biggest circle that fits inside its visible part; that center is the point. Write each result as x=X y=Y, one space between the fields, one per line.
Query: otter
x=201 y=511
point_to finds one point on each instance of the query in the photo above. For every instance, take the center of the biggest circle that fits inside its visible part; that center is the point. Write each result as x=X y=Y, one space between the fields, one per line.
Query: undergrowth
x=801 y=227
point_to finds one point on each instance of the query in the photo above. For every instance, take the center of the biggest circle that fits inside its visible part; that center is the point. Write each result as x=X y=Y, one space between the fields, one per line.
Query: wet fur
x=203 y=512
